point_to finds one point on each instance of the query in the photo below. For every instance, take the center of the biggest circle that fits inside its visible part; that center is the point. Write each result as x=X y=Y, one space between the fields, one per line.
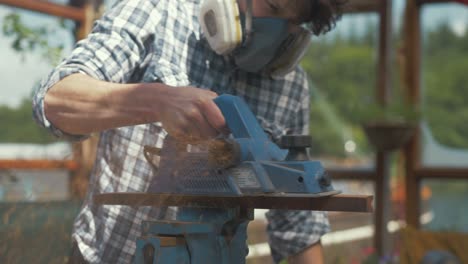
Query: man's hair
x=323 y=15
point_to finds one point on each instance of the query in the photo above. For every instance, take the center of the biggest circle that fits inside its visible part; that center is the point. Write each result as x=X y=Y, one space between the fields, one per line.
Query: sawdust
x=36 y=232
x=222 y=153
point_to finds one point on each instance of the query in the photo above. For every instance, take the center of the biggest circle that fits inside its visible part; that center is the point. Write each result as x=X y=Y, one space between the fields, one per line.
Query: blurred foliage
x=26 y=40
x=342 y=72
x=445 y=79
x=395 y=112
x=20 y=127
x=31 y=39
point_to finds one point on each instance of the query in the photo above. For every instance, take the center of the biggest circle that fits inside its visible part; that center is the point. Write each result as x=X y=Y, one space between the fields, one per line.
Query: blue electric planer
x=247 y=163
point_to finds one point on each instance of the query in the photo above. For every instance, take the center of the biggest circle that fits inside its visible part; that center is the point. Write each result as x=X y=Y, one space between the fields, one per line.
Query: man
x=147 y=70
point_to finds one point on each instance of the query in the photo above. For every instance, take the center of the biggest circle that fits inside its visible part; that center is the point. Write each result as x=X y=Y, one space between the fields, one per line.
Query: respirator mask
x=256 y=44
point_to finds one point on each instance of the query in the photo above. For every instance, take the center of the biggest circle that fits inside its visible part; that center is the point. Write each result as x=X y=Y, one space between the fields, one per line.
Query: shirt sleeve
x=117 y=49
x=291 y=231
x=300 y=121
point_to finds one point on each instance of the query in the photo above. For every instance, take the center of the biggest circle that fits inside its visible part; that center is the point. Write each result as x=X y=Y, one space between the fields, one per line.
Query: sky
x=18 y=76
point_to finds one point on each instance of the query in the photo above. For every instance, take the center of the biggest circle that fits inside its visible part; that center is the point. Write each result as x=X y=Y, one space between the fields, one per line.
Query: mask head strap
x=248 y=22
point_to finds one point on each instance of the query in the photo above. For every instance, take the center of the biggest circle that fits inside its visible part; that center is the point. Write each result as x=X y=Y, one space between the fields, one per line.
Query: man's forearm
x=81 y=105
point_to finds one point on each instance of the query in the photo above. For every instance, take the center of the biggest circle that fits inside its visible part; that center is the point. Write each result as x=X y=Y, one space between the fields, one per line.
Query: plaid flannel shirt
x=161 y=41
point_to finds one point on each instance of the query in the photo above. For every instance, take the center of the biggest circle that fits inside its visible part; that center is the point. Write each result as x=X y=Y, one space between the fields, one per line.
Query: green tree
x=18 y=126
x=25 y=39
x=445 y=84
x=17 y=123
x=342 y=72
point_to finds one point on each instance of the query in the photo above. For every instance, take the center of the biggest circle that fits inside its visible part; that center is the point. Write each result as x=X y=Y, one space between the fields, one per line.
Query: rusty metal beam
x=45 y=7
x=38 y=164
x=344 y=203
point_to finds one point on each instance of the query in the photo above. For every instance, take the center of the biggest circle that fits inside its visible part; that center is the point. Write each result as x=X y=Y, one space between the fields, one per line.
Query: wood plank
x=412 y=60
x=422 y=2
x=45 y=7
x=383 y=97
x=442 y=173
x=339 y=202
x=361 y=6
x=352 y=174
x=385 y=49
x=38 y=164
x=382 y=203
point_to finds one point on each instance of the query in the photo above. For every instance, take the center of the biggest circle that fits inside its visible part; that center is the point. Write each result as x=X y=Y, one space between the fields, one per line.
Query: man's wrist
x=141 y=102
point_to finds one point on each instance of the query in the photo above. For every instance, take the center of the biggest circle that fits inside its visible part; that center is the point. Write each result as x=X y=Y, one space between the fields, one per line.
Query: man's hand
x=81 y=105
x=190 y=114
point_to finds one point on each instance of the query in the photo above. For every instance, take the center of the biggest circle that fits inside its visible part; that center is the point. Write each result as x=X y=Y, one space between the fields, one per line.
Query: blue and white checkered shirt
x=161 y=41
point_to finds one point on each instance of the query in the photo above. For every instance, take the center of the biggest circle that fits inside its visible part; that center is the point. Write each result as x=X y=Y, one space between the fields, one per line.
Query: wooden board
x=338 y=202
x=38 y=164
x=50 y=8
